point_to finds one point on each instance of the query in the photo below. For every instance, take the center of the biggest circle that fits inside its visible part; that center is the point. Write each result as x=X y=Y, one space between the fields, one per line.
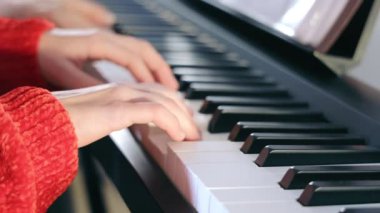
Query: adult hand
x=62 y=58
x=64 y=13
x=79 y=14
x=98 y=113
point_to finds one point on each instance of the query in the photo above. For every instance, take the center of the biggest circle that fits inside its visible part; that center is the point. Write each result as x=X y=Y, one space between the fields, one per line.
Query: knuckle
x=159 y=112
x=134 y=59
x=132 y=62
x=170 y=102
x=117 y=92
x=96 y=38
x=146 y=45
x=158 y=109
x=173 y=95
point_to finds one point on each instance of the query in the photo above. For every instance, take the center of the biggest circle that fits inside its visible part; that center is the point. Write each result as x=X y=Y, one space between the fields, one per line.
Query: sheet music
x=310 y=22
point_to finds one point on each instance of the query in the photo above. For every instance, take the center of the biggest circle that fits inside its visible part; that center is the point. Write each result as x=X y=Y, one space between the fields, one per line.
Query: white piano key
x=233 y=175
x=156 y=144
x=254 y=194
x=185 y=181
x=210 y=177
x=218 y=157
x=213 y=175
x=205 y=146
x=275 y=207
x=283 y=206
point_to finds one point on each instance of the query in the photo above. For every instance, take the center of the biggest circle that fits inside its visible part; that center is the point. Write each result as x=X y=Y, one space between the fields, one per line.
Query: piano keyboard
x=264 y=149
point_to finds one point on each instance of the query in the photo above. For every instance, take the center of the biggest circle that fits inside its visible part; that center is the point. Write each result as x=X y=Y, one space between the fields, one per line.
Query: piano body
x=280 y=132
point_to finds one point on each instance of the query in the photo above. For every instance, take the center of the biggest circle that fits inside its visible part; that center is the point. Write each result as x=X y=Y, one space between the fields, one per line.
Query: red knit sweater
x=18 y=52
x=38 y=149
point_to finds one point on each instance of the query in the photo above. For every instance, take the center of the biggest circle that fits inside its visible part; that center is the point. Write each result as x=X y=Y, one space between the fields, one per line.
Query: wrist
x=27 y=8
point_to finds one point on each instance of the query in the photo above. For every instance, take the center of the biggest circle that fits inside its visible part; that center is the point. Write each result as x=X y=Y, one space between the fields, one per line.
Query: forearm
x=26 y=8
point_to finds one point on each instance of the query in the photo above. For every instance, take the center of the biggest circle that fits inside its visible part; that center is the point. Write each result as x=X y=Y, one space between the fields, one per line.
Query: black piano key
x=201 y=90
x=199 y=60
x=211 y=103
x=187 y=44
x=297 y=177
x=253 y=81
x=255 y=142
x=195 y=55
x=205 y=63
x=225 y=117
x=199 y=55
x=211 y=62
x=130 y=10
x=176 y=42
x=243 y=129
x=292 y=155
x=240 y=72
x=134 y=18
x=360 y=210
x=320 y=193
x=180 y=40
x=145 y=32
x=143 y=22
x=147 y=16
x=124 y=5
x=150 y=30
x=175 y=38
x=195 y=43
x=165 y=47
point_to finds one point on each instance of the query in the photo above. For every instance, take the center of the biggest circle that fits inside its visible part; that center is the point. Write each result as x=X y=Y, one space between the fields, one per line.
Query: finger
x=187 y=124
x=159 y=89
x=69 y=19
x=156 y=64
x=94 y=13
x=96 y=120
x=185 y=119
x=142 y=112
x=124 y=92
x=103 y=49
x=130 y=91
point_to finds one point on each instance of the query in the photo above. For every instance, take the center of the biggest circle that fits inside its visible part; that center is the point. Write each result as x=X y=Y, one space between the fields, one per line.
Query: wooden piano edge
x=140 y=181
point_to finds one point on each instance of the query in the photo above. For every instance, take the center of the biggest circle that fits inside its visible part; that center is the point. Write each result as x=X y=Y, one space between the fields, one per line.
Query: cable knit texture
x=18 y=52
x=38 y=151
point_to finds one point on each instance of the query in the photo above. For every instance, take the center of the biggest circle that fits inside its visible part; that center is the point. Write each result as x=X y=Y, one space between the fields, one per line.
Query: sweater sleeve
x=18 y=52
x=38 y=150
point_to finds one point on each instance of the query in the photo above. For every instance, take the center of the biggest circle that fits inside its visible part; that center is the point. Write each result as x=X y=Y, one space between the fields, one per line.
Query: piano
x=281 y=133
